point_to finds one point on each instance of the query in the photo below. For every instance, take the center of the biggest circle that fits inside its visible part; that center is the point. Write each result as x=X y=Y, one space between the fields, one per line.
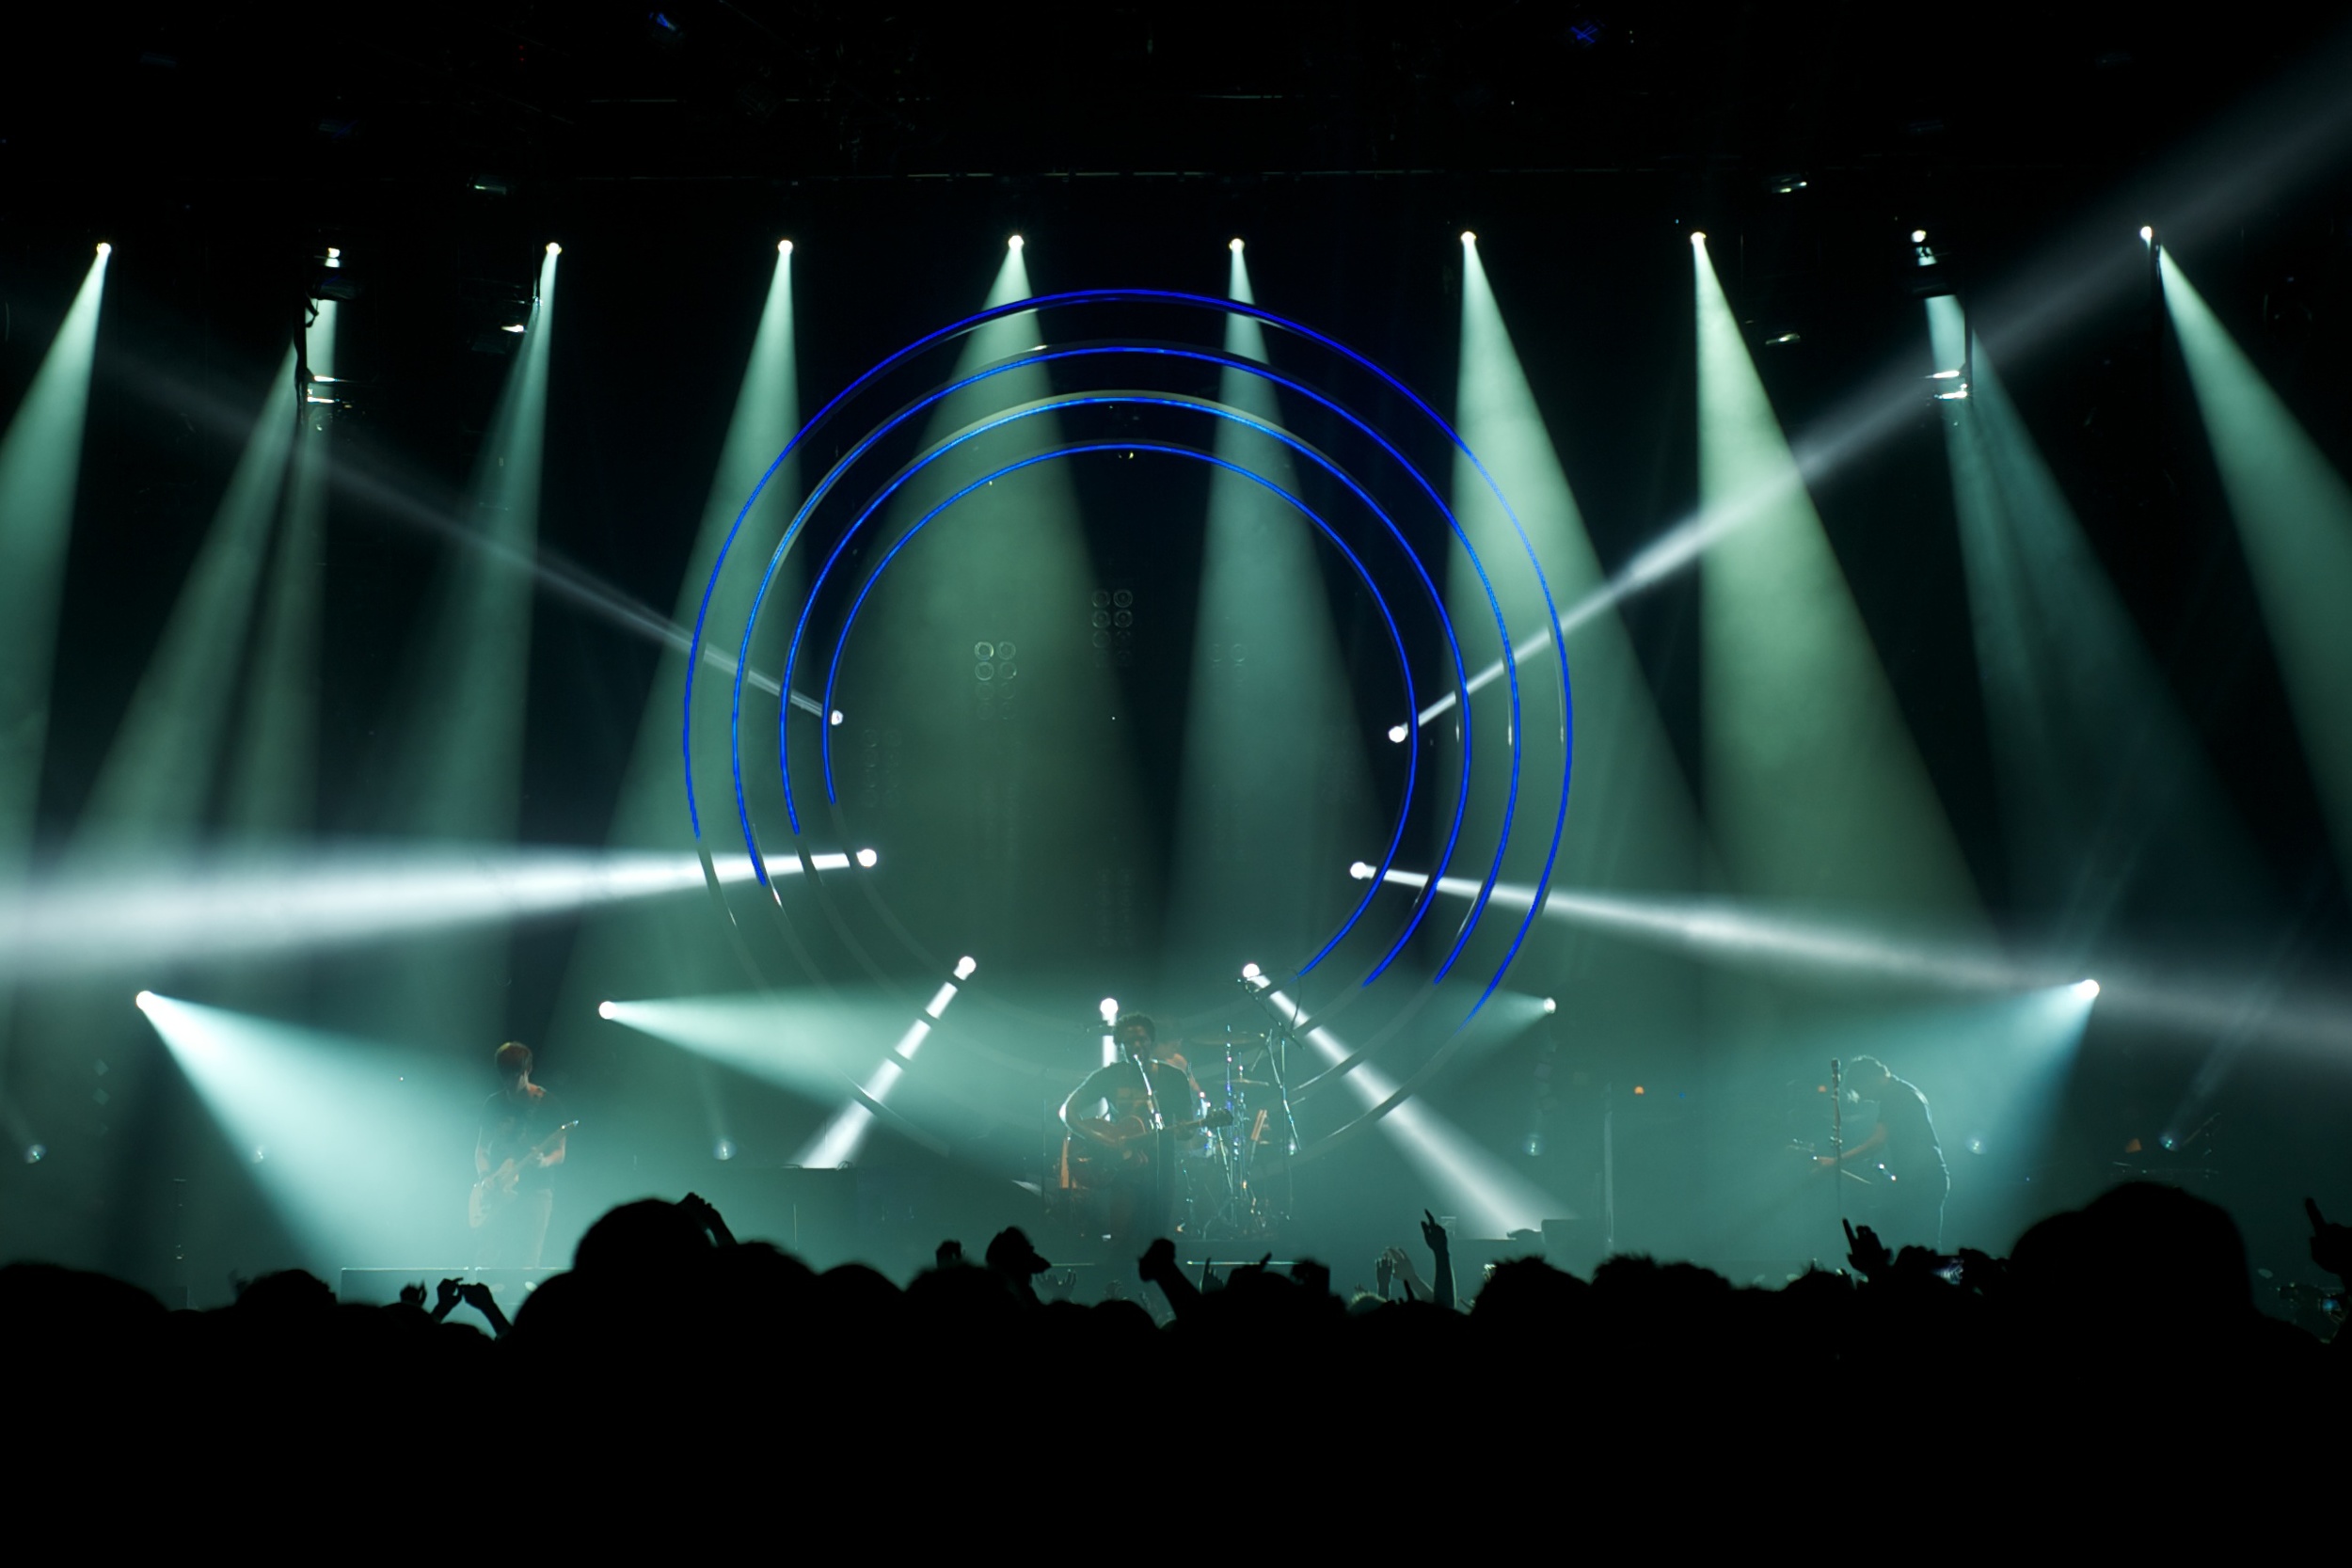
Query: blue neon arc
x=1221 y=307
x=1421 y=903
x=1396 y=638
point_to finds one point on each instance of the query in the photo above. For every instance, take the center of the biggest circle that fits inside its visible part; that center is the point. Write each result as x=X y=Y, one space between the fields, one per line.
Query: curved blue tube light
x=1396 y=638
x=1422 y=902
x=1224 y=306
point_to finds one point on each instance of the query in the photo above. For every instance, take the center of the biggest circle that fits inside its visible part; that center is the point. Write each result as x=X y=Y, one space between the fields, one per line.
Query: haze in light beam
x=2294 y=518
x=155 y=786
x=41 y=462
x=2107 y=794
x=458 y=773
x=1814 y=788
x=1631 y=821
x=1275 y=785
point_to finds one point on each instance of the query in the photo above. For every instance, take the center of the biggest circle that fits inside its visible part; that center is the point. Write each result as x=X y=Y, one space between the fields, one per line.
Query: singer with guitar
x=521 y=1144
x=1125 y=1122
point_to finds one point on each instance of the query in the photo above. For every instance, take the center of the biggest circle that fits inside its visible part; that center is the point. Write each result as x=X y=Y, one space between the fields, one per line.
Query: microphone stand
x=1278 y=1056
x=1837 y=1138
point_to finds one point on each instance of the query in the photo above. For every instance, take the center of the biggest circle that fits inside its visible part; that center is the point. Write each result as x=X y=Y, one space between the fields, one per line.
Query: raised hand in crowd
x=1868 y=1256
x=477 y=1295
x=1441 y=1278
x=2331 y=1243
x=1158 y=1266
x=699 y=1210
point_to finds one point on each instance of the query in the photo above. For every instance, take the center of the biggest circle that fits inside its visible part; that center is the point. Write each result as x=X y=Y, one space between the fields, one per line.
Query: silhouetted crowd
x=2132 y=1314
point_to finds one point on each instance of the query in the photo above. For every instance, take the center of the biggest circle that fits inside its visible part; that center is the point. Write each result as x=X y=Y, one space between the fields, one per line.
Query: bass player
x=521 y=1144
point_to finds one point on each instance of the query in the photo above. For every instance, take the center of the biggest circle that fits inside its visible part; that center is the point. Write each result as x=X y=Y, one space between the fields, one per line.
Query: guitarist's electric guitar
x=1111 y=1147
x=499 y=1186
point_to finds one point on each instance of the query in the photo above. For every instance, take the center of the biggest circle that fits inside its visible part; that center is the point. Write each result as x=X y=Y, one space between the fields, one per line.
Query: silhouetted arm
x=1442 y=1268
x=478 y=1297
x=1158 y=1266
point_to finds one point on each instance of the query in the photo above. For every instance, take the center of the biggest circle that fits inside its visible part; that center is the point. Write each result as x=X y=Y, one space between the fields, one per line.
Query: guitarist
x=1902 y=1148
x=1124 y=1124
x=518 y=1125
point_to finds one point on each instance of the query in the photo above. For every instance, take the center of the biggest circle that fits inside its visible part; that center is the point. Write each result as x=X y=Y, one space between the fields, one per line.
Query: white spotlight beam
x=844 y=1134
x=1487 y=1194
x=2216 y=1003
x=100 y=924
x=2294 y=127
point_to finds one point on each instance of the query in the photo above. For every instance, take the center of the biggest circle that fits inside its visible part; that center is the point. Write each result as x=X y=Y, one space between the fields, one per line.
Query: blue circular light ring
x=1226 y=307
x=848 y=459
x=1396 y=637
x=1423 y=903
x=1425 y=900
x=1420 y=904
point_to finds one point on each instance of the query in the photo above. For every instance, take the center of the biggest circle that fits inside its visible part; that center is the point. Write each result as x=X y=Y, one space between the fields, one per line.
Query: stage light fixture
x=605 y=1009
x=515 y=326
x=1251 y=971
x=866 y=858
x=1698 y=236
x=1919 y=236
x=723 y=1149
x=835 y=716
x=143 y=1000
x=2147 y=233
x=1233 y=244
x=2087 y=989
x=1013 y=243
x=1361 y=870
x=965 y=965
x=1468 y=238
x=1398 y=731
x=1552 y=1003
x=1109 y=1009
x=104 y=250
x=554 y=250
x=784 y=248
x=334 y=256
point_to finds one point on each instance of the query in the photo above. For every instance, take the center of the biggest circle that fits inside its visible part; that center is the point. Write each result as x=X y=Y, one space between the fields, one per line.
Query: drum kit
x=1235 y=1176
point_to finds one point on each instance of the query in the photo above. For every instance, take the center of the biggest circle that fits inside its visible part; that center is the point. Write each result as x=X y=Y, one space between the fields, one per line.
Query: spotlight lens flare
x=866 y=858
x=1362 y=871
x=1251 y=971
x=784 y=248
x=105 y=249
x=1468 y=238
x=554 y=250
x=1919 y=236
x=1698 y=236
x=1013 y=243
x=2087 y=989
x=1398 y=731
x=1233 y=244
x=1552 y=1003
x=605 y=1009
x=965 y=965
x=2147 y=232
x=1109 y=1008
x=144 y=1000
